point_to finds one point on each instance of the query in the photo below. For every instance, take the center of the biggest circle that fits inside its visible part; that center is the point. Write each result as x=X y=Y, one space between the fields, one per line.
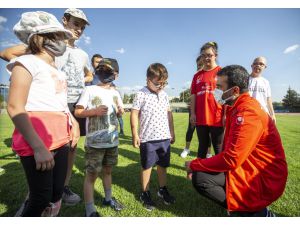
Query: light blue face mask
x=55 y=47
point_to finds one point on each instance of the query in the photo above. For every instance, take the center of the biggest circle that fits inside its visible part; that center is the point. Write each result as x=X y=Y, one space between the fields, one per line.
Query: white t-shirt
x=48 y=90
x=259 y=88
x=154 y=122
x=101 y=131
x=73 y=62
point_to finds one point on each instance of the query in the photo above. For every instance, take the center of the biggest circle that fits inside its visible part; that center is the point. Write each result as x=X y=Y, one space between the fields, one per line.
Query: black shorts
x=155 y=153
x=81 y=121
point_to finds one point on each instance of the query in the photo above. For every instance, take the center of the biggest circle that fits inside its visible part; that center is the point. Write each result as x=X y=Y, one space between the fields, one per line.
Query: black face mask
x=106 y=77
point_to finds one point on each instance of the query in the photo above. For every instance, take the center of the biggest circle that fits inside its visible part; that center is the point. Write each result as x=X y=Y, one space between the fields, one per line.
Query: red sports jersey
x=208 y=111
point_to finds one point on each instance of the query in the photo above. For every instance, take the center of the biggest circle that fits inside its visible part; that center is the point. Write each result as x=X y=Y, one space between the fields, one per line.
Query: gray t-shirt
x=73 y=62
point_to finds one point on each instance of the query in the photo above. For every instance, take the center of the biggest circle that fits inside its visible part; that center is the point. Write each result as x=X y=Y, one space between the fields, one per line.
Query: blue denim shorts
x=155 y=153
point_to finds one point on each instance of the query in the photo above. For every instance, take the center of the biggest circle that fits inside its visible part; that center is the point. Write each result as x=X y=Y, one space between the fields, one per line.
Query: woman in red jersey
x=206 y=113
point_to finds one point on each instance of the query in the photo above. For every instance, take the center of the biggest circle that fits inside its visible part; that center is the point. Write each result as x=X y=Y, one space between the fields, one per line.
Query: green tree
x=174 y=100
x=185 y=96
x=2 y=103
x=126 y=99
x=291 y=100
x=131 y=97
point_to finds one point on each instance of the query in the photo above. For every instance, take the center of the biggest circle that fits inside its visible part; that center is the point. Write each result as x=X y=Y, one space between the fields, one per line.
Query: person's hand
x=273 y=118
x=188 y=170
x=120 y=111
x=100 y=110
x=193 y=119
x=43 y=159
x=172 y=140
x=136 y=141
x=75 y=133
x=224 y=121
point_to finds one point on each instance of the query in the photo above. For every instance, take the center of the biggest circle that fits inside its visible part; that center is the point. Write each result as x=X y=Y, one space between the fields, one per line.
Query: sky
x=173 y=37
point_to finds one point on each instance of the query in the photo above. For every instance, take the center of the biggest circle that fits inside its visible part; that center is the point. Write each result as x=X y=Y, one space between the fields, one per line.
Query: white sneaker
x=184 y=153
x=208 y=155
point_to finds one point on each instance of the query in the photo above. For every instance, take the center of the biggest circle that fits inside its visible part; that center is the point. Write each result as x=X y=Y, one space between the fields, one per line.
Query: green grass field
x=126 y=187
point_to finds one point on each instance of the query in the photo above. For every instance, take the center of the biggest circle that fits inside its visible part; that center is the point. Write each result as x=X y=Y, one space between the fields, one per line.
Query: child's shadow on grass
x=8 y=142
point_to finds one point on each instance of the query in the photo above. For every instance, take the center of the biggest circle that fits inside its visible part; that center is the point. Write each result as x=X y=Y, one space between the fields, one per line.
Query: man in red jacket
x=251 y=171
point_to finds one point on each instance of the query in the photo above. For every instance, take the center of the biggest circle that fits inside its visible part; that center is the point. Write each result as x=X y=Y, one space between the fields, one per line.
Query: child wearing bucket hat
x=75 y=63
x=37 y=105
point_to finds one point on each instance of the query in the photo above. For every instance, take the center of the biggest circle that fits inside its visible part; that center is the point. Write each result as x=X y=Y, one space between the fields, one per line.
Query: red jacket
x=253 y=158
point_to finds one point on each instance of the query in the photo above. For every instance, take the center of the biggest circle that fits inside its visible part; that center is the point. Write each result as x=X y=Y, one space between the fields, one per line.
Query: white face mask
x=218 y=96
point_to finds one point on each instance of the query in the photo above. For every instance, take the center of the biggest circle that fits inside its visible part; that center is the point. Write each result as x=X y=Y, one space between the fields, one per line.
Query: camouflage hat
x=78 y=14
x=38 y=22
x=110 y=63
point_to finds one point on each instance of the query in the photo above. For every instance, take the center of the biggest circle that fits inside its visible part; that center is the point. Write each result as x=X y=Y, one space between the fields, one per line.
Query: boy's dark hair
x=236 y=76
x=96 y=56
x=157 y=70
x=208 y=45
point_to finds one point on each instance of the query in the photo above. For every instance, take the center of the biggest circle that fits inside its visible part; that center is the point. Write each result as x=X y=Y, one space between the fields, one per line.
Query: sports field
x=126 y=187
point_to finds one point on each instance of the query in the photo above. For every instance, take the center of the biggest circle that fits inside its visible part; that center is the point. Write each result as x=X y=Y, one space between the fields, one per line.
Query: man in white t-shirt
x=75 y=63
x=259 y=87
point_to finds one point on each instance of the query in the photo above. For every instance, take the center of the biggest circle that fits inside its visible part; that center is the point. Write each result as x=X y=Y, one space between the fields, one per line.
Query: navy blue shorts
x=155 y=153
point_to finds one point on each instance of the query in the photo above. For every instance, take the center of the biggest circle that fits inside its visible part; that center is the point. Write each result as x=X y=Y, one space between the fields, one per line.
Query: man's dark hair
x=96 y=56
x=236 y=76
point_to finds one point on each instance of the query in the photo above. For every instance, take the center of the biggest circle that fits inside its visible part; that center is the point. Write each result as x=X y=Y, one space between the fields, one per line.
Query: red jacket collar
x=242 y=98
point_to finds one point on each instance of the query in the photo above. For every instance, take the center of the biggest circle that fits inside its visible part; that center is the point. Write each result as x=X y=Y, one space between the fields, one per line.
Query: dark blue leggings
x=44 y=186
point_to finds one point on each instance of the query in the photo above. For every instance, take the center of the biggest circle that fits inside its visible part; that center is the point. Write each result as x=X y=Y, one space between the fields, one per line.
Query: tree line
x=289 y=103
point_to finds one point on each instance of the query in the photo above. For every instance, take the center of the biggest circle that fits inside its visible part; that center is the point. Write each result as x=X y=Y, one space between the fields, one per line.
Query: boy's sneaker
x=185 y=153
x=208 y=155
x=113 y=203
x=145 y=198
x=165 y=195
x=69 y=197
x=93 y=214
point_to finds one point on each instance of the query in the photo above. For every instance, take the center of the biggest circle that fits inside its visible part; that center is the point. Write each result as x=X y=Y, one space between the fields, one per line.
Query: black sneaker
x=113 y=203
x=93 y=214
x=165 y=195
x=263 y=213
x=145 y=198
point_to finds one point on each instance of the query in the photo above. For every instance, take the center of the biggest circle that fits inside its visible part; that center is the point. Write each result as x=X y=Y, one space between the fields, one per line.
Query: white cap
x=38 y=22
x=77 y=13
